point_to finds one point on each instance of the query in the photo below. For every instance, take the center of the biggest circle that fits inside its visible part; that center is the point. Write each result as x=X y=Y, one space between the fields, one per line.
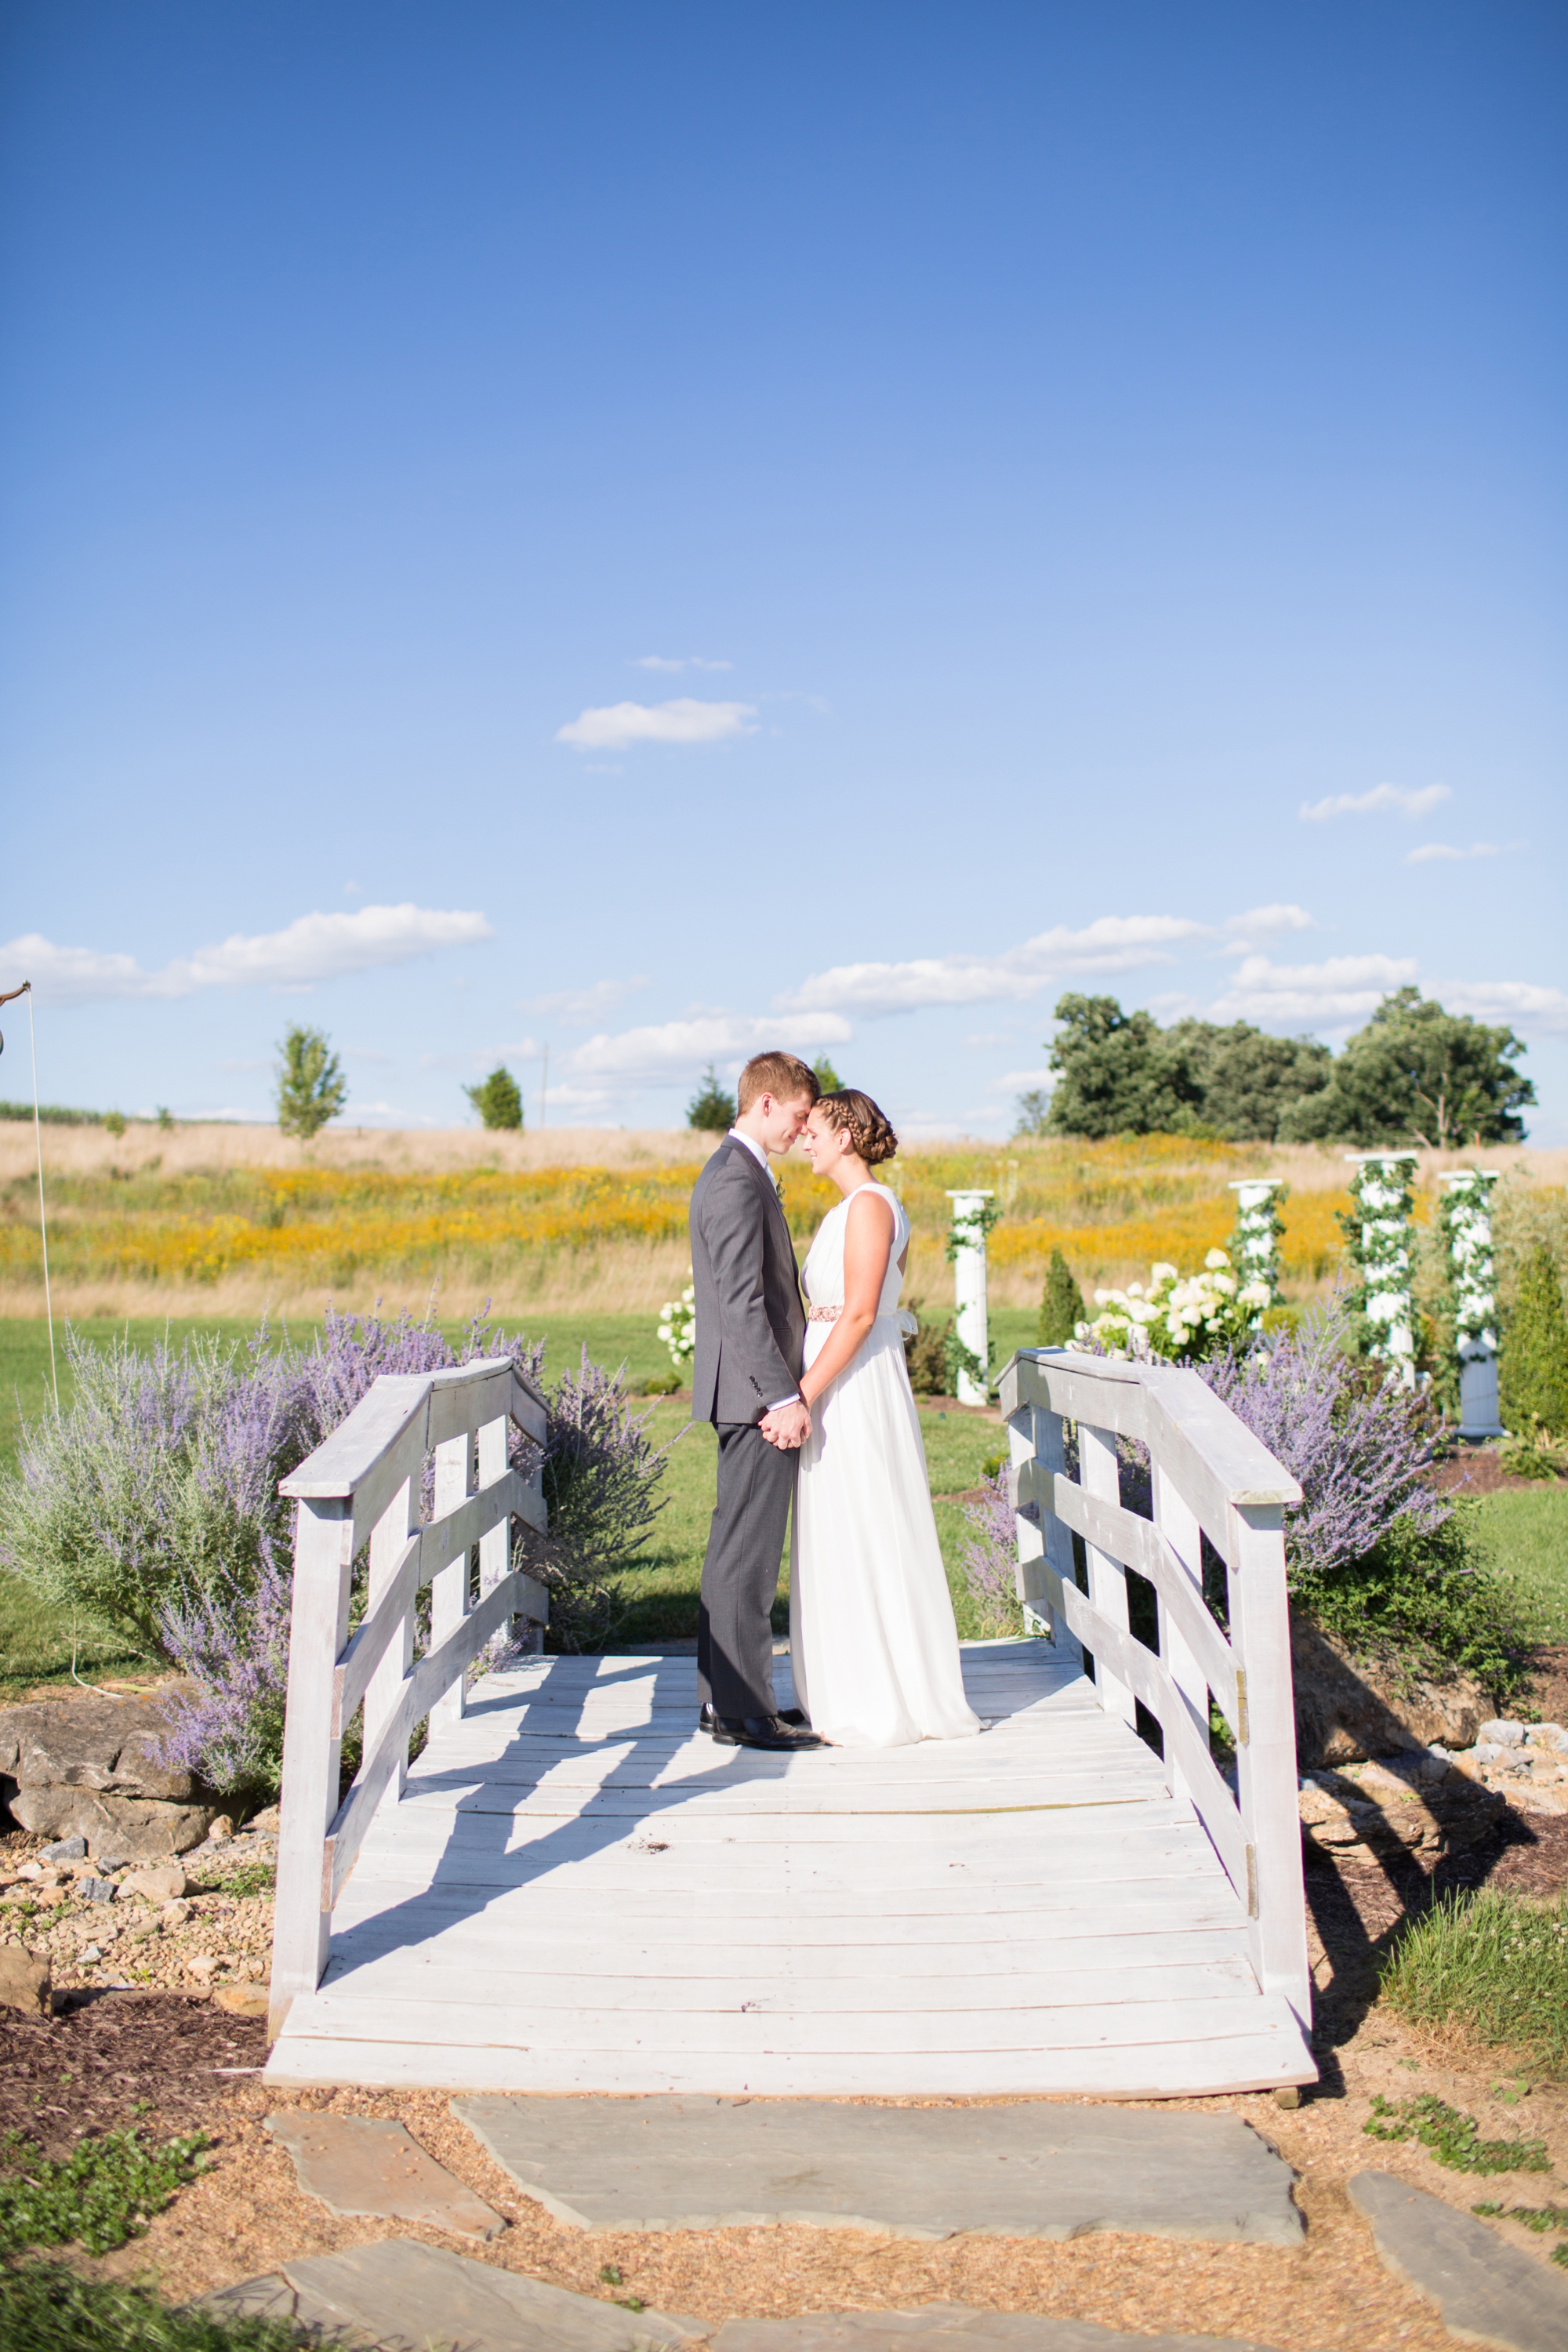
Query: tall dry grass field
x=229 y=1220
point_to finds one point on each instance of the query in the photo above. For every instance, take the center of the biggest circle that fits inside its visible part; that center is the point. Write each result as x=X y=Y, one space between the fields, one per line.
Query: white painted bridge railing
x=1211 y=1477
x=363 y=1487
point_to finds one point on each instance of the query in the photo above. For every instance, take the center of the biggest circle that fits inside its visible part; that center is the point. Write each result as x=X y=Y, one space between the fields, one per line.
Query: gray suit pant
x=741 y=1572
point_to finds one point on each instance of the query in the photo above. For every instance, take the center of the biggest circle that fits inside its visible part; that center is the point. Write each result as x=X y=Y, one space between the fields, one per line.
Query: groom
x=751 y=1330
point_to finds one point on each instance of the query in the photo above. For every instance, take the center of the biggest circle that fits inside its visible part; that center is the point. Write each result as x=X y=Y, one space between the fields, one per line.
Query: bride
x=873 y=1644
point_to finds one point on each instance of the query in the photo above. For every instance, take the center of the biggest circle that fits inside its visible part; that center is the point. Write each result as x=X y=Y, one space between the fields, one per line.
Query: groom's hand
x=787 y=1426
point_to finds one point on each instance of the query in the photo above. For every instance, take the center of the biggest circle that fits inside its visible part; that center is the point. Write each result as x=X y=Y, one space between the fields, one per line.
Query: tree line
x=1414 y=1075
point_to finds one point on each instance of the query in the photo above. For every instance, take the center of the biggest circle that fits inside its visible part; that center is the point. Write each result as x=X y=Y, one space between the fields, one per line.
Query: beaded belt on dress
x=898 y=1315
x=823 y=1314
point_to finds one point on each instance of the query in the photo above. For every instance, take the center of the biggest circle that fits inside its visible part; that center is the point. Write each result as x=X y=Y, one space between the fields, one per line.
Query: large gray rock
x=952 y=2327
x=90 y=1742
x=1347 y=1708
x=116 y=1829
x=1488 y=2291
x=23 y=1982
x=406 y=2297
x=1031 y=2170
x=361 y=2164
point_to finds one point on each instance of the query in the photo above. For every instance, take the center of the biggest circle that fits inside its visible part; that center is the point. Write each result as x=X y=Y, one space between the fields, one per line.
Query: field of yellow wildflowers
x=223 y=1220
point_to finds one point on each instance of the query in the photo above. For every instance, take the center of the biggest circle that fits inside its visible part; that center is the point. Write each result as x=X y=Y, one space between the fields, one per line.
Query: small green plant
x=115 y=1123
x=827 y=1076
x=498 y=1098
x=1534 y=1453
x=1061 y=1305
x=1495 y=1966
x=250 y=1878
x=925 y=1353
x=1539 y=2218
x=98 y=2196
x=610 y=2275
x=1454 y=2138
x=1532 y=1368
x=47 y=2306
x=165 y=1120
x=711 y=1112
x=311 y=1088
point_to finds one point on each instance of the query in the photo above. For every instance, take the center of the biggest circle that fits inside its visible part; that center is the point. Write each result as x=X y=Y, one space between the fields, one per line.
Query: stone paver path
x=357 y=2164
x=952 y=2327
x=1489 y=2292
x=1029 y=2170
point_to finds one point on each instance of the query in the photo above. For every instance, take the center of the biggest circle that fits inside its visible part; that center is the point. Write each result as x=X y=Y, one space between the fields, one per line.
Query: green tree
x=498 y=1098
x=711 y=1112
x=1061 y=1306
x=1114 y=1079
x=827 y=1076
x=1032 y=1113
x=1243 y=1080
x=1532 y=1363
x=311 y=1088
x=1418 y=1075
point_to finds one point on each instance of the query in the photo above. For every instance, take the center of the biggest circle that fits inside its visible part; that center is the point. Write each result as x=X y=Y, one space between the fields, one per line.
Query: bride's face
x=823 y=1143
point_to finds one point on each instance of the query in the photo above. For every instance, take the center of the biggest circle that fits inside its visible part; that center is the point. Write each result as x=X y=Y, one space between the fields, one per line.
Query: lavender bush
x=154 y=1502
x=990 y=1557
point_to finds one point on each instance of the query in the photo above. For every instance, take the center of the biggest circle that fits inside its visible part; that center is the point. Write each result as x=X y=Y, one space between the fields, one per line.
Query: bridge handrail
x=1211 y=1477
x=362 y=1486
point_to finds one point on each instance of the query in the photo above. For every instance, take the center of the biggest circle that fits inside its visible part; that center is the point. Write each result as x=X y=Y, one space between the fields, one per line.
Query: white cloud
x=314 y=948
x=1543 y=1010
x=1113 y=943
x=1012 y=1079
x=1344 y=988
x=573 y=1005
x=1431 y=851
x=674 y=1050
x=682 y=661
x=1262 y=923
x=617 y=724
x=1400 y=797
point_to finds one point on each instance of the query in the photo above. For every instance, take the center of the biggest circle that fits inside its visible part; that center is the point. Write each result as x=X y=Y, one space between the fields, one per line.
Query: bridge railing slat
x=359 y=1492
x=1211 y=1477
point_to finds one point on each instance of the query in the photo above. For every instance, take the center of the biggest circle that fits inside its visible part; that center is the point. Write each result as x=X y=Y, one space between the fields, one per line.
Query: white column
x=1469 y=1223
x=1385 y=1255
x=967 y=1244
x=1257 y=1242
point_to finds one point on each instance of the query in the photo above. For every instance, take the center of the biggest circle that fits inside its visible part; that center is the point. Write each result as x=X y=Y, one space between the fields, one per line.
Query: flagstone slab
x=1035 y=2170
x=401 y=2296
x=953 y=2327
x=1488 y=2291
x=361 y=2165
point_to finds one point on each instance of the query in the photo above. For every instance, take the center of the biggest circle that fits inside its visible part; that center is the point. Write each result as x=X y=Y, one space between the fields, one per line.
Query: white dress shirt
x=738 y=1135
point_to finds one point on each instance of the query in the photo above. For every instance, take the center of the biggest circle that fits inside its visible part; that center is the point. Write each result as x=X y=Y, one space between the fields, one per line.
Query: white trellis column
x=968 y=1245
x=1257 y=1234
x=1469 y=1221
x=1380 y=1192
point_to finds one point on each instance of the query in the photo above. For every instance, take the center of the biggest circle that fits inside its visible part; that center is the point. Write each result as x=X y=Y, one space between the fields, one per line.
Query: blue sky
x=651 y=531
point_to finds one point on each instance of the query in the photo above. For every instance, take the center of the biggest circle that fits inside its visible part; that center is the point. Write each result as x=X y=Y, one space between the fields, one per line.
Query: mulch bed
x=1481 y=1472
x=116 y=2058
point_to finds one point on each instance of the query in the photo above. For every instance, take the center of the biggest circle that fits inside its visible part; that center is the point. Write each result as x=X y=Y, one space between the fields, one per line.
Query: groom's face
x=780 y=1122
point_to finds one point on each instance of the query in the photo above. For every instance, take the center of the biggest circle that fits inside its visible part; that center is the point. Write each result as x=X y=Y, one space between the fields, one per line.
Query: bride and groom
x=813 y=1405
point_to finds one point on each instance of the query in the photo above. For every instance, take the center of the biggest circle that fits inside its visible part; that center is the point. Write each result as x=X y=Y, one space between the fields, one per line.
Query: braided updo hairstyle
x=855 y=1115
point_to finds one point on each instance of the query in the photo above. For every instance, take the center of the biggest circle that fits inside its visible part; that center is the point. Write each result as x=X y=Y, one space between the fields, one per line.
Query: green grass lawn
x=1525 y=1533
x=37 y=1641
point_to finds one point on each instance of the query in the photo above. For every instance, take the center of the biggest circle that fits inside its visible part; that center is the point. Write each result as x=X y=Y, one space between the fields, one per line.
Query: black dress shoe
x=769 y=1731
x=707 y=1719
x=795 y=1715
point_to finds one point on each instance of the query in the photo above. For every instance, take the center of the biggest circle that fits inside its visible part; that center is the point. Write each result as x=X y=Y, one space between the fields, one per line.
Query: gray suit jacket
x=750 y=1323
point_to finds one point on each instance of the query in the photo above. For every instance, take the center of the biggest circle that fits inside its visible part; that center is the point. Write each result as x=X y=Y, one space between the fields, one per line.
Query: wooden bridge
x=572 y=1890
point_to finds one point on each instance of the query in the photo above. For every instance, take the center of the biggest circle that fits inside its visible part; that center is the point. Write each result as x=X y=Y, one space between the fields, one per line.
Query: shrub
x=1372 y=1552
x=1180 y=1318
x=711 y=1112
x=1452 y=2138
x=1532 y=1363
x=100 y=2195
x=154 y=1501
x=926 y=1355
x=1493 y=1966
x=48 y=2307
x=310 y=1086
x=990 y=1557
x=1061 y=1305
x=498 y=1098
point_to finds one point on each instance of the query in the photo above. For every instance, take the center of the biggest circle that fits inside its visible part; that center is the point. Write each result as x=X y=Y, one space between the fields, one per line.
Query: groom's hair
x=783 y=1075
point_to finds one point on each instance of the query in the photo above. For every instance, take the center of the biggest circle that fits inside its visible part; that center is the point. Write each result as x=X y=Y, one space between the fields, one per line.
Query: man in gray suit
x=751 y=1331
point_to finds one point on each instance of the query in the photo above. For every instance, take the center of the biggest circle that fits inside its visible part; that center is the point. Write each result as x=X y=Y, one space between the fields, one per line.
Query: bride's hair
x=856 y=1115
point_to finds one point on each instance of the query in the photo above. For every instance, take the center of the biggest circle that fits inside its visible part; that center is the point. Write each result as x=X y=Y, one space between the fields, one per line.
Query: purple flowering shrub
x=990 y=1557
x=153 y=1502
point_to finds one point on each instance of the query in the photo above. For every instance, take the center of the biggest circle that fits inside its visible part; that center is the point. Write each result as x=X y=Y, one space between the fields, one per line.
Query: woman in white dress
x=873 y=1645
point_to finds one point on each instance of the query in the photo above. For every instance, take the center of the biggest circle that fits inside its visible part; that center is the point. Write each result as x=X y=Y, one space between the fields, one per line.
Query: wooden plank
x=1099 y=1469
x=449 y=1582
x=1260 y=1627
x=1075 y=1946
x=323 y=1562
x=1185 y=1414
x=1126 y=1536
x=392 y=1407
x=1267 y=2053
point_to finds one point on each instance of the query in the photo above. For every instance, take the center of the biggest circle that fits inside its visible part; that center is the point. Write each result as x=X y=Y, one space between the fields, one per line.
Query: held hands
x=787 y=1426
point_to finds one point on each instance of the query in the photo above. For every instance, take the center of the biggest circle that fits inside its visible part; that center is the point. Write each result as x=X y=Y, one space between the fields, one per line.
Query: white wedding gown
x=873 y=1645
